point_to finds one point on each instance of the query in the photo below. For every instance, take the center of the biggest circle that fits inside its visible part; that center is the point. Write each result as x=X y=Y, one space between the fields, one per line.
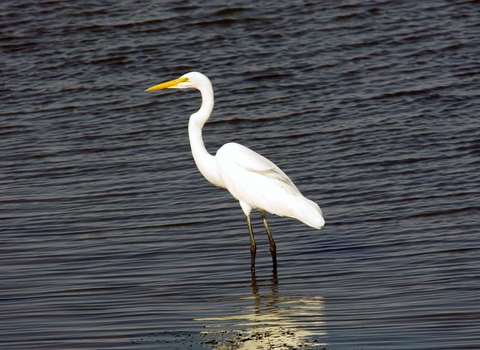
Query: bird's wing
x=253 y=162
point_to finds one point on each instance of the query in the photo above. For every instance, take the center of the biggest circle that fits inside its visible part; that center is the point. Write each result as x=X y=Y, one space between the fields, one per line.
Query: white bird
x=252 y=179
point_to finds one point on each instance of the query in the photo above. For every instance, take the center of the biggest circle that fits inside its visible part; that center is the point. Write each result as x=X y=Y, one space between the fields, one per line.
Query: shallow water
x=112 y=239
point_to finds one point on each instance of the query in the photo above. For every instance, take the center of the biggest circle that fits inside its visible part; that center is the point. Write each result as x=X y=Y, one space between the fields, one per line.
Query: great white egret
x=252 y=179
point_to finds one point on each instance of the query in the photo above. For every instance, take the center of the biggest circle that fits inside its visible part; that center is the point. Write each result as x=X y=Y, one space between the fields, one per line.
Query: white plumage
x=259 y=184
x=252 y=179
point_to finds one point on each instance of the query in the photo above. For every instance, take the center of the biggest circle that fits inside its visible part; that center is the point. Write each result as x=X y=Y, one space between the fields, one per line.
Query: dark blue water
x=112 y=239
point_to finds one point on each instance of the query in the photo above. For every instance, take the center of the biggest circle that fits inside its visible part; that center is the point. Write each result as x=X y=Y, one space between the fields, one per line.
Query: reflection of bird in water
x=252 y=179
x=272 y=322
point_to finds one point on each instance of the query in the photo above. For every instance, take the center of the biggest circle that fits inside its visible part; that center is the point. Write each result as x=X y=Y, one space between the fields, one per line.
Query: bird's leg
x=253 y=247
x=273 y=247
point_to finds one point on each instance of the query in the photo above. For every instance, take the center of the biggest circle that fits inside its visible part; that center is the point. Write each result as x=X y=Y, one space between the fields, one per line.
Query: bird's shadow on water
x=265 y=320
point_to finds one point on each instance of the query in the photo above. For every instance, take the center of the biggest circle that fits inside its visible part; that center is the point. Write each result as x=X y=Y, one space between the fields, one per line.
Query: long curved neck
x=206 y=163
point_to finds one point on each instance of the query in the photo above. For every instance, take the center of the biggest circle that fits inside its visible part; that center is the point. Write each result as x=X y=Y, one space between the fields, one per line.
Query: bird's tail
x=309 y=213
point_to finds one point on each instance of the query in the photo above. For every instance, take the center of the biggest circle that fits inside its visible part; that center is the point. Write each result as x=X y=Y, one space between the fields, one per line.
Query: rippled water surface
x=112 y=239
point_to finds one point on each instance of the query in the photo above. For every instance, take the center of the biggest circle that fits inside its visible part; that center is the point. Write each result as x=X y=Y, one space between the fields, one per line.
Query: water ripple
x=112 y=239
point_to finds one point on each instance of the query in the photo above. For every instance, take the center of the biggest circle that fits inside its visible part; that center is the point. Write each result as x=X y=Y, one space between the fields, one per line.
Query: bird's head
x=189 y=80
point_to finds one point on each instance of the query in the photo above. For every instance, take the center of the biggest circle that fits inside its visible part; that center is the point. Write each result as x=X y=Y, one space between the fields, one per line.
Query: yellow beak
x=167 y=84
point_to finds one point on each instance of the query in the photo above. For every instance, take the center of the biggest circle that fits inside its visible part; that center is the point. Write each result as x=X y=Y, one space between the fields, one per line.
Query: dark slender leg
x=253 y=247
x=273 y=247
